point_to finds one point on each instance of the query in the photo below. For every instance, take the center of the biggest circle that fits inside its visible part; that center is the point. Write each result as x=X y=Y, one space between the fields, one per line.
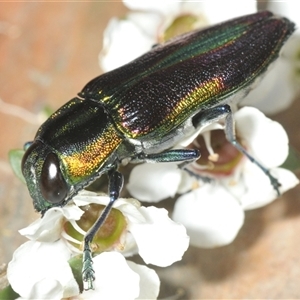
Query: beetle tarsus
x=88 y=273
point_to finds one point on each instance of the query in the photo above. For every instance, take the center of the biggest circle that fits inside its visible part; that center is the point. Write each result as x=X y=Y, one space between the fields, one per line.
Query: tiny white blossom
x=127 y=38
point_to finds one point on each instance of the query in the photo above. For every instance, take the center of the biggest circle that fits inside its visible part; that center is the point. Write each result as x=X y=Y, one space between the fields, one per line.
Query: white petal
x=186 y=183
x=48 y=228
x=41 y=268
x=254 y=188
x=85 y=197
x=119 y=36
x=130 y=246
x=149 y=281
x=287 y=179
x=290 y=9
x=274 y=91
x=148 y=24
x=211 y=216
x=259 y=191
x=114 y=278
x=266 y=140
x=154 y=182
x=205 y=128
x=218 y=11
x=46 y=288
x=163 y=7
x=160 y=241
x=129 y=207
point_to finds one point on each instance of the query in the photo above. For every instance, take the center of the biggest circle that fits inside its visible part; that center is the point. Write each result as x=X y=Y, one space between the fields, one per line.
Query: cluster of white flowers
x=212 y=213
x=40 y=269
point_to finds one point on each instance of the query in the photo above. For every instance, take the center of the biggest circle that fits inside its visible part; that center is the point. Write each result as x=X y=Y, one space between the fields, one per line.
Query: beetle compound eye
x=53 y=186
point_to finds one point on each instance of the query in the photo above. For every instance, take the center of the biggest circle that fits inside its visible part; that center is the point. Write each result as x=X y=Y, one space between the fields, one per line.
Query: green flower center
x=109 y=234
x=183 y=24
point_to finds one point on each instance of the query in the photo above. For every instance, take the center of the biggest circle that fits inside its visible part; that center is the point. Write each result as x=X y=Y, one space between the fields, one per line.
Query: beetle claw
x=275 y=183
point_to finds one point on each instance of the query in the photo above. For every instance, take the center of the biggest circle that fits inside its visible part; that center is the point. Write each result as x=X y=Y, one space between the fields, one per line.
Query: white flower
x=280 y=85
x=211 y=215
x=40 y=270
x=243 y=186
x=152 y=22
x=166 y=240
x=118 y=278
x=44 y=260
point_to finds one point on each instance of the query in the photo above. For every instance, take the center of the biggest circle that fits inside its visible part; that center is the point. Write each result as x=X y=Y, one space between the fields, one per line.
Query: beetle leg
x=224 y=111
x=185 y=156
x=231 y=137
x=173 y=155
x=115 y=185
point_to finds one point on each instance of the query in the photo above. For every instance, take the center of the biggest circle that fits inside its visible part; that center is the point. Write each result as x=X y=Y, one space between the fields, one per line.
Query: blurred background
x=48 y=52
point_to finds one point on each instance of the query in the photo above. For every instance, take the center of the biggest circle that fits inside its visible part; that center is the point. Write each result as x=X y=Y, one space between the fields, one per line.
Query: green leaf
x=292 y=162
x=8 y=293
x=47 y=111
x=76 y=266
x=15 y=159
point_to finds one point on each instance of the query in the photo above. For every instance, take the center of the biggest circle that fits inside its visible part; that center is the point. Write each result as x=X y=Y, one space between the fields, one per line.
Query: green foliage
x=8 y=293
x=292 y=162
x=15 y=159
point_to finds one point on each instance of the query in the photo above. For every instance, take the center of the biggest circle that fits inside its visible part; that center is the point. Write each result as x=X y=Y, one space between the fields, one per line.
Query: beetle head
x=43 y=173
x=74 y=146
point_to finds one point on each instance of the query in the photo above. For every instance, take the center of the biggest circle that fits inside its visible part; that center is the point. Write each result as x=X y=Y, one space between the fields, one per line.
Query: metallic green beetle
x=139 y=111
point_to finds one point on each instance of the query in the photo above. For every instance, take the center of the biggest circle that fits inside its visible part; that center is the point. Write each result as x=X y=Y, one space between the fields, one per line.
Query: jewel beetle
x=138 y=112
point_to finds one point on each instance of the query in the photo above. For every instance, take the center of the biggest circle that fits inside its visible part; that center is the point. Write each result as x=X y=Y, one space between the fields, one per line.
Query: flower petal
x=148 y=23
x=162 y=7
x=258 y=190
x=160 y=240
x=289 y=9
x=48 y=228
x=41 y=268
x=154 y=182
x=114 y=278
x=121 y=35
x=211 y=216
x=223 y=12
x=149 y=281
x=265 y=139
x=274 y=92
x=129 y=207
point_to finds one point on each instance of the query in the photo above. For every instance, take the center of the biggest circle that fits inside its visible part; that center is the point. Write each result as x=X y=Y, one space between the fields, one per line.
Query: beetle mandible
x=139 y=111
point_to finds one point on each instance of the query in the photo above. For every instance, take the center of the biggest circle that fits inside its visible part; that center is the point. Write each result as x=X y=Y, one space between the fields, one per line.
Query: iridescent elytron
x=138 y=112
